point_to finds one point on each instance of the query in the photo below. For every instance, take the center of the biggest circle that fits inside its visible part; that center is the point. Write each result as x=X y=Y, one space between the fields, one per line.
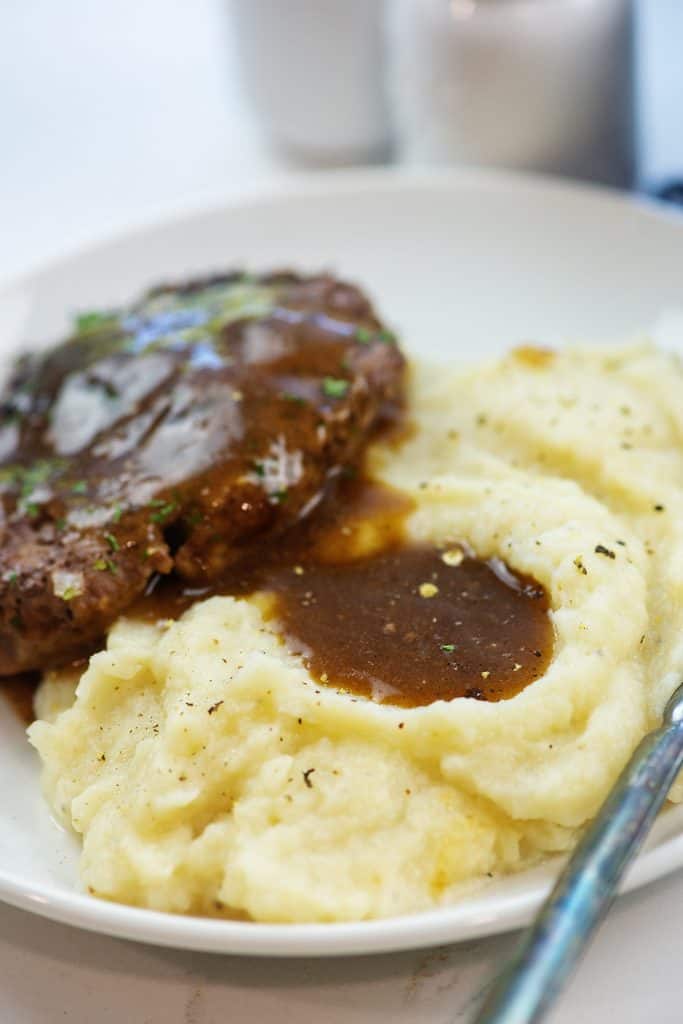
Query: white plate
x=463 y=265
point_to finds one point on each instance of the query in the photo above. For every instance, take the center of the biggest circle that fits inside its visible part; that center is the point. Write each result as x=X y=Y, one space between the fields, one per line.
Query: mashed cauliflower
x=208 y=773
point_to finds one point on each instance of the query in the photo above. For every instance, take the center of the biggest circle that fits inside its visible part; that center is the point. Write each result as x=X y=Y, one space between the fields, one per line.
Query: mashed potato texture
x=207 y=772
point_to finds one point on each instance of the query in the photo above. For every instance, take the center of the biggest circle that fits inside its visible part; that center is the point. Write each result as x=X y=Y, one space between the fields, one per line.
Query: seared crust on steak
x=171 y=435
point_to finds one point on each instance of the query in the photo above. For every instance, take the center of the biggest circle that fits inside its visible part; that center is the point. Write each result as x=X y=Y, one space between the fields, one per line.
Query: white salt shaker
x=313 y=71
x=543 y=85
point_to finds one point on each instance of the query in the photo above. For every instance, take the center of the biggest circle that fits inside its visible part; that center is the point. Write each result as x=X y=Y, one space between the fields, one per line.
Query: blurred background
x=117 y=113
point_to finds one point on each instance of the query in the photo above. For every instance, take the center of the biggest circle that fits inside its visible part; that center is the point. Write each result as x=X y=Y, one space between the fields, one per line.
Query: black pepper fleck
x=600 y=549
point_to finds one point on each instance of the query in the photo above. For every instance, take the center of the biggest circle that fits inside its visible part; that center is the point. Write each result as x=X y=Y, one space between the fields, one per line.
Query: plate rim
x=347 y=180
x=447 y=924
x=439 y=926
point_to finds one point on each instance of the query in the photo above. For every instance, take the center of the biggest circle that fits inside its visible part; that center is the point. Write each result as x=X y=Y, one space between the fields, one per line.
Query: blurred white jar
x=313 y=71
x=542 y=85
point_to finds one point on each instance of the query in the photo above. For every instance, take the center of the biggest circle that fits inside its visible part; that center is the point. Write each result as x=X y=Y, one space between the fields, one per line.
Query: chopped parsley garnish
x=366 y=336
x=80 y=487
x=277 y=497
x=104 y=565
x=112 y=541
x=92 y=320
x=35 y=475
x=26 y=479
x=164 y=510
x=69 y=593
x=448 y=647
x=335 y=387
x=259 y=469
x=117 y=513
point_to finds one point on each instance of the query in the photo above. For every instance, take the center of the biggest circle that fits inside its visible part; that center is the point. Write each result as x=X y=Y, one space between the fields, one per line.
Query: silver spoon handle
x=550 y=949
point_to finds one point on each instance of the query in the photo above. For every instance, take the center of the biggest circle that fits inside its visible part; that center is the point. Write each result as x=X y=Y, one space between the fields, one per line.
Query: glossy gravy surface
x=380 y=617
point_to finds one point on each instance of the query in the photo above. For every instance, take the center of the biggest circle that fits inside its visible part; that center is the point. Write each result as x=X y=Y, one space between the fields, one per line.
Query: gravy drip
x=19 y=692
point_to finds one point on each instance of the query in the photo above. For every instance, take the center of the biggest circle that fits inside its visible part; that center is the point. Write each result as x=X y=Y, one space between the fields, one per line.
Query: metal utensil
x=551 y=948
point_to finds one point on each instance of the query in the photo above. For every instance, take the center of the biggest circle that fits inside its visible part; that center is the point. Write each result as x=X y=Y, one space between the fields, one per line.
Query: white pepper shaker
x=543 y=85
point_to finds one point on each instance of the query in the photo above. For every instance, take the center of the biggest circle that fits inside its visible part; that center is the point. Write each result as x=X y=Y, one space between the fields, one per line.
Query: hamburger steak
x=170 y=436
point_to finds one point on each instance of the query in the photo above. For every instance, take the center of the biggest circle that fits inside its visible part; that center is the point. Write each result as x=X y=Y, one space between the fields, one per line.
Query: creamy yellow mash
x=208 y=773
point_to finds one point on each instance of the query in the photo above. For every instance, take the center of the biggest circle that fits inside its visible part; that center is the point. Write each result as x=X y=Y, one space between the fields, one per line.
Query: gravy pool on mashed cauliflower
x=568 y=466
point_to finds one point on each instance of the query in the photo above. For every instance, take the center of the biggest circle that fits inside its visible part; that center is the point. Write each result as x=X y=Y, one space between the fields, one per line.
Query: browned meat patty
x=171 y=435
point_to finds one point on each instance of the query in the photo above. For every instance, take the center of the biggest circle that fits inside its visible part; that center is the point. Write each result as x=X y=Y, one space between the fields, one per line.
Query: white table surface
x=113 y=113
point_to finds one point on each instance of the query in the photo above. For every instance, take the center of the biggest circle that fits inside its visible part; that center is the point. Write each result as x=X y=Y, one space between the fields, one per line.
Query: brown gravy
x=379 y=617
x=19 y=692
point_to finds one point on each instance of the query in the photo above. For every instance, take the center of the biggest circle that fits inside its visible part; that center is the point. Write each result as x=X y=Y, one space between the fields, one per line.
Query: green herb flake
x=11 y=578
x=294 y=399
x=259 y=469
x=69 y=593
x=448 y=647
x=112 y=541
x=35 y=475
x=335 y=387
x=164 y=510
x=116 y=514
x=80 y=487
x=104 y=565
x=278 y=497
x=31 y=509
x=386 y=337
x=92 y=320
x=364 y=335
